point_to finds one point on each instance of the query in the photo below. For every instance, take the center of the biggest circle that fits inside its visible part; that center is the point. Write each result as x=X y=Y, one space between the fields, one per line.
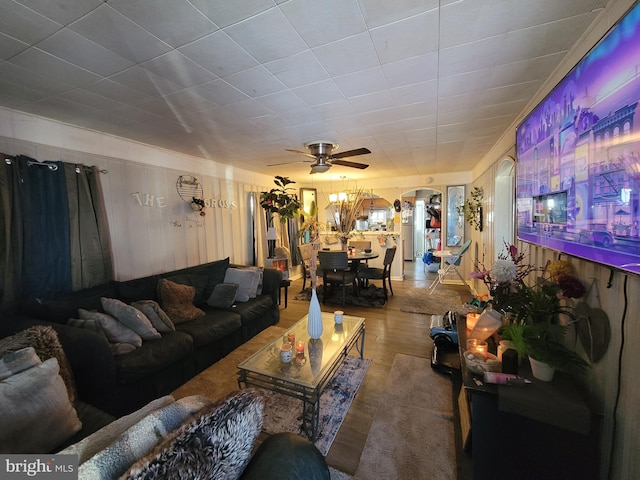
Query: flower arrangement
x=472 y=208
x=347 y=212
x=536 y=327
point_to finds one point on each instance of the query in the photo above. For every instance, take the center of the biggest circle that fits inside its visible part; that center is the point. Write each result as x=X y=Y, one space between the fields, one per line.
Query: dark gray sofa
x=121 y=384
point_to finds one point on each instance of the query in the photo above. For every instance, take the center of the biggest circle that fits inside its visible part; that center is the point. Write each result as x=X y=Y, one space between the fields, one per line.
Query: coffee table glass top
x=319 y=355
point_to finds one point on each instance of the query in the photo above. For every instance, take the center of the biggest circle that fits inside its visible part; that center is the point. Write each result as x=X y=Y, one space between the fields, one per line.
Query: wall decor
x=307 y=197
x=190 y=190
x=472 y=208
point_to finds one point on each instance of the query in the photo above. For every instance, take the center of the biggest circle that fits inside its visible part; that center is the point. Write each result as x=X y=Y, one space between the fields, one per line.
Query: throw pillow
x=177 y=301
x=18 y=361
x=45 y=342
x=247 y=281
x=140 y=438
x=158 y=317
x=37 y=415
x=223 y=296
x=131 y=317
x=215 y=443
x=260 y=272
x=115 y=331
x=90 y=324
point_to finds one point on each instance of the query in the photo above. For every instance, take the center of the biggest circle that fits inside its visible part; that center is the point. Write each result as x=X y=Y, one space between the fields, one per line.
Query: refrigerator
x=407 y=236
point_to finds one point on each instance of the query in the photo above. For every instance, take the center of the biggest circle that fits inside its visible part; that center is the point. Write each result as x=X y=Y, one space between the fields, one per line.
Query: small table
x=284 y=284
x=306 y=376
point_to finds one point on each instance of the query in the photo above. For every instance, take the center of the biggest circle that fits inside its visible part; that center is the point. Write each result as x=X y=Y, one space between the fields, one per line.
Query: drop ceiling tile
x=475 y=81
x=339 y=108
x=281 y=101
x=415 y=110
x=318 y=23
x=392 y=42
x=78 y=50
x=24 y=24
x=348 y=55
x=474 y=56
x=248 y=109
x=10 y=46
x=319 y=93
x=116 y=91
x=170 y=106
x=411 y=70
x=85 y=97
x=382 y=12
x=415 y=93
x=115 y=32
x=220 y=92
x=224 y=13
x=268 y=36
x=219 y=54
x=362 y=82
x=302 y=116
x=62 y=11
x=179 y=69
x=297 y=70
x=143 y=80
x=53 y=67
x=35 y=81
x=255 y=82
x=175 y=22
x=481 y=20
x=372 y=101
x=18 y=94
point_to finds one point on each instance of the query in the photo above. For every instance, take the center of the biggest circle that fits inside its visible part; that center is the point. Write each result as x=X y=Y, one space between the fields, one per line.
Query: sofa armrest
x=286 y=456
x=271 y=281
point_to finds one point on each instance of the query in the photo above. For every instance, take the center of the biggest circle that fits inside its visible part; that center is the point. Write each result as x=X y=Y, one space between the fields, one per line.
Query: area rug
x=418 y=300
x=371 y=296
x=412 y=432
x=284 y=414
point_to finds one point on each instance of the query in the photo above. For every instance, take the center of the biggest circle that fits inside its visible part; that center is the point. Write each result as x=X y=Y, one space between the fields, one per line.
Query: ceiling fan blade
x=283 y=163
x=346 y=163
x=307 y=154
x=351 y=153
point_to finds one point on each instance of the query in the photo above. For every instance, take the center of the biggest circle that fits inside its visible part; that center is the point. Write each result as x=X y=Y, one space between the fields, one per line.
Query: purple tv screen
x=582 y=143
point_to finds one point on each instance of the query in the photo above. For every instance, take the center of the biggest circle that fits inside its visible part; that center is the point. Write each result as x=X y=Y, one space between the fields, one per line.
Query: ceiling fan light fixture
x=320 y=168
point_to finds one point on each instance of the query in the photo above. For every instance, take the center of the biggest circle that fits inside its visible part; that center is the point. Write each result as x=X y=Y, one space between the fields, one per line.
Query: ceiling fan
x=320 y=151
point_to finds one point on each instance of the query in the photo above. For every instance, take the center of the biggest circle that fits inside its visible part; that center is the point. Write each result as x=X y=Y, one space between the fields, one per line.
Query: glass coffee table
x=308 y=373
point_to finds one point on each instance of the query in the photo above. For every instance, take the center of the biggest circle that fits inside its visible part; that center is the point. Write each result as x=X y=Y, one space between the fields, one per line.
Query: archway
x=504 y=205
x=417 y=233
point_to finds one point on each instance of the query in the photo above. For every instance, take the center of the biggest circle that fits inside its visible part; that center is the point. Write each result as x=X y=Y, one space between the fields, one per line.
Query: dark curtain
x=46 y=261
x=89 y=242
x=54 y=233
x=11 y=239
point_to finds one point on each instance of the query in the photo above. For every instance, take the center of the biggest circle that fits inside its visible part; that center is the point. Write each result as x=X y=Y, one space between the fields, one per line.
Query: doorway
x=418 y=208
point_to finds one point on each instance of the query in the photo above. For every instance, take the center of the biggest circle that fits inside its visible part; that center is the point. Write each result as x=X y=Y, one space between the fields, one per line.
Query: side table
x=284 y=284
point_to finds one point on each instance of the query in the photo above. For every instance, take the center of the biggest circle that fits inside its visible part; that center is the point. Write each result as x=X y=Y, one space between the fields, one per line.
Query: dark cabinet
x=544 y=430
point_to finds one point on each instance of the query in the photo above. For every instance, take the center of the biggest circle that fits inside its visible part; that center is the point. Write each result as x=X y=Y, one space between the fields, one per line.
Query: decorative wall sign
x=190 y=190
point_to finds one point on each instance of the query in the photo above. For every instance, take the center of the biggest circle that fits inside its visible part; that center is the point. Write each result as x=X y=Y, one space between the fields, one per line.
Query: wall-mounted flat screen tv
x=578 y=156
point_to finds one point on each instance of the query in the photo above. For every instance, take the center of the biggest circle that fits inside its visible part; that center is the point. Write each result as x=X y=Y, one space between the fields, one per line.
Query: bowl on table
x=367 y=250
x=479 y=363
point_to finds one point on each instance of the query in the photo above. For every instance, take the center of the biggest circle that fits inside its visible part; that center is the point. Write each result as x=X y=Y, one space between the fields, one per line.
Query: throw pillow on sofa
x=215 y=443
x=115 y=331
x=223 y=296
x=260 y=272
x=37 y=415
x=131 y=317
x=247 y=281
x=177 y=301
x=158 y=317
x=46 y=344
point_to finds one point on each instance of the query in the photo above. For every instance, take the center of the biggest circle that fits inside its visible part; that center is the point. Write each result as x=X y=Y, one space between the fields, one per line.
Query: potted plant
x=281 y=200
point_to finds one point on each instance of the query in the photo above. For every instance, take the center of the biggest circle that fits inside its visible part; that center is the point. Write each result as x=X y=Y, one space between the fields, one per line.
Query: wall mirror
x=307 y=196
x=455 y=215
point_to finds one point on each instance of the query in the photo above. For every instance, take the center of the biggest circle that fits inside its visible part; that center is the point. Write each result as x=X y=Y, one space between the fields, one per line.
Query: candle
x=472 y=318
x=477 y=346
x=291 y=338
x=300 y=347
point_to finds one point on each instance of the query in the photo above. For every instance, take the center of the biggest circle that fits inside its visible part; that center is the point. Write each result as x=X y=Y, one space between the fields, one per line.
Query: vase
x=541 y=370
x=343 y=243
x=314 y=320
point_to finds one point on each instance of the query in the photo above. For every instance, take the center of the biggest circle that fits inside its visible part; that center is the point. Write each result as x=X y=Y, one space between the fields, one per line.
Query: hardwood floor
x=389 y=331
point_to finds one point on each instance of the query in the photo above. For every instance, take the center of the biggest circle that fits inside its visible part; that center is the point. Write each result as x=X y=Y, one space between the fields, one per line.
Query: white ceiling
x=428 y=86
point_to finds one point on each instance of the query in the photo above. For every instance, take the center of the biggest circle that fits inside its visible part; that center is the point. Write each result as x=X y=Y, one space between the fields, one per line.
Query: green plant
x=472 y=208
x=281 y=200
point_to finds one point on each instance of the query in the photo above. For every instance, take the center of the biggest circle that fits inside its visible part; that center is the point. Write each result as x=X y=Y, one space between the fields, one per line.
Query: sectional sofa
x=120 y=380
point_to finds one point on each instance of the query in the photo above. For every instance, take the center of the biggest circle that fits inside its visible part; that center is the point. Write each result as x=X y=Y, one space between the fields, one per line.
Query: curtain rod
x=52 y=166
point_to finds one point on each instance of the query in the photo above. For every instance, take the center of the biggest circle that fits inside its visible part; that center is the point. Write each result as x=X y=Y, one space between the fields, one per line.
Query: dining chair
x=383 y=273
x=360 y=244
x=451 y=262
x=306 y=251
x=336 y=271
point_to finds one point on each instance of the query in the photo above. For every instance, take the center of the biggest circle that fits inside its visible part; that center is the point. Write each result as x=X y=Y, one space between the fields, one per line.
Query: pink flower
x=480 y=275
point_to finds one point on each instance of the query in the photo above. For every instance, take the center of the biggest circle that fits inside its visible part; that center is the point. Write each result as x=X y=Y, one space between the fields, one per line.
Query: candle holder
x=300 y=347
x=477 y=346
